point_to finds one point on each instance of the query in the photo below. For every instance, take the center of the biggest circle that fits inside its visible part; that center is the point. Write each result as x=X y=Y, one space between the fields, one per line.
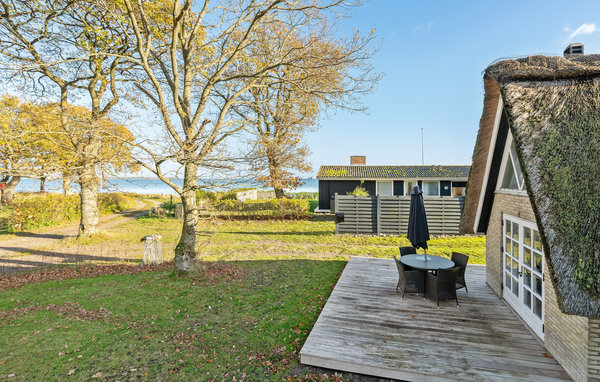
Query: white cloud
x=585 y=28
x=423 y=27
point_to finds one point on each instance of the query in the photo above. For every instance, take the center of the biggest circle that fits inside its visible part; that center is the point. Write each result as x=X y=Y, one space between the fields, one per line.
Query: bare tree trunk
x=8 y=192
x=88 y=182
x=185 y=252
x=66 y=185
x=42 y=184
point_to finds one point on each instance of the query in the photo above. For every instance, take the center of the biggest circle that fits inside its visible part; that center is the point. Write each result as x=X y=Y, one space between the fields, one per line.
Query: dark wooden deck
x=366 y=328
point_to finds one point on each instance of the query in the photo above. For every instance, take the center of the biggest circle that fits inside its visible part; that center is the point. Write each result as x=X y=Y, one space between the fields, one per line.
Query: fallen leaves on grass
x=68 y=309
x=72 y=272
x=209 y=272
x=317 y=377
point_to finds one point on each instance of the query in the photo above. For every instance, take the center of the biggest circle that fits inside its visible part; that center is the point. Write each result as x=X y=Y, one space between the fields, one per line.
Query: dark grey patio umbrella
x=418 y=232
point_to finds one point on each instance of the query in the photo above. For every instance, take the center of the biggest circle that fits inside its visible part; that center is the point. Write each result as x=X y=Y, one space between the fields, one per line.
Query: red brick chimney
x=358 y=159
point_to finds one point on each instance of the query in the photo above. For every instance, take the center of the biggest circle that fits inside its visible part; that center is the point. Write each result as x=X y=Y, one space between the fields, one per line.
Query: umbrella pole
x=425 y=251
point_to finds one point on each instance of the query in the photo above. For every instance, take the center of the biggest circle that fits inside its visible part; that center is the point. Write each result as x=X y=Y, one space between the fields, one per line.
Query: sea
x=146 y=185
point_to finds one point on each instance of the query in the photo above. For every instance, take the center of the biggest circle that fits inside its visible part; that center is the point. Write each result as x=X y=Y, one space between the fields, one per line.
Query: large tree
x=198 y=61
x=330 y=73
x=18 y=149
x=69 y=50
x=35 y=144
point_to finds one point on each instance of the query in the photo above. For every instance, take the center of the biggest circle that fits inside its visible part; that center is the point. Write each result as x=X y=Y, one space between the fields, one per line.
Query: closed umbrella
x=418 y=232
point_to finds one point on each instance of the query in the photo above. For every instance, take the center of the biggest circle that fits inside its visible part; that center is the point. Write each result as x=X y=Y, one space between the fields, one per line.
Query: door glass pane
x=507 y=225
x=527 y=236
x=507 y=245
x=515 y=231
x=537 y=286
x=537 y=241
x=537 y=307
x=515 y=287
x=515 y=249
x=507 y=263
x=527 y=277
x=527 y=257
x=515 y=268
x=507 y=279
x=527 y=298
x=538 y=262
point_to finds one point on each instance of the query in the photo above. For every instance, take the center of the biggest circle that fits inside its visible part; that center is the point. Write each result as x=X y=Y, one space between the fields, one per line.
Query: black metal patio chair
x=460 y=261
x=407 y=251
x=442 y=286
x=409 y=281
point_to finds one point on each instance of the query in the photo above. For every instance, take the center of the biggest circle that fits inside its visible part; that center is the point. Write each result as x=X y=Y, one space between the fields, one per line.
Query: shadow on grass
x=36 y=235
x=286 y=233
x=38 y=259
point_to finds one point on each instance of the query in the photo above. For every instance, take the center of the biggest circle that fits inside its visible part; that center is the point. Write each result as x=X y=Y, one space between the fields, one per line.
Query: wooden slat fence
x=389 y=214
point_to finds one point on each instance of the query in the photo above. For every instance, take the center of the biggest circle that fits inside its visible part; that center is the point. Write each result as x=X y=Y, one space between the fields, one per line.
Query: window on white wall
x=385 y=188
x=409 y=186
x=431 y=189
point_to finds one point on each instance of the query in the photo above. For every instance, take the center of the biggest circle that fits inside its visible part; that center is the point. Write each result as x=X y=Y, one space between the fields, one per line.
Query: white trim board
x=488 y=163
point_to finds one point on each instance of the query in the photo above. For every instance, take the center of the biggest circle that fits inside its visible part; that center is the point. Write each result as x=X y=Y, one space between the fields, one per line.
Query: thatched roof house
x=536 y=167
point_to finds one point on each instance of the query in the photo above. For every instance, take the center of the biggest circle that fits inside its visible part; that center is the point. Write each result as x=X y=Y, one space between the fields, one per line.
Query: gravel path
x=22 y=253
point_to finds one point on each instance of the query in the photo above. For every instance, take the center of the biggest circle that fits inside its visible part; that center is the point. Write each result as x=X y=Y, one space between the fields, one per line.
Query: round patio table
x=433 y=262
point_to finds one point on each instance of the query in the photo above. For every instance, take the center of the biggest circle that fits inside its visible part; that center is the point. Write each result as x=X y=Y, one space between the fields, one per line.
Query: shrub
x=359 y=191
x=205 y=195
x=43 y=211
x=276 y=208
x=54 y=209
x=229 y=195
x=115 y=202
x=302 y=195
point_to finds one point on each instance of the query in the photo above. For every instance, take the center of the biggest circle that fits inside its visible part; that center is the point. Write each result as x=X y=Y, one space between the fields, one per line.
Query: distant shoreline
x=147 y=185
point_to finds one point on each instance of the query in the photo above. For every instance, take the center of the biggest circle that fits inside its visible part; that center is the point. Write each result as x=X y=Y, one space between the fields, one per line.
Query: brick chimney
x=358 y=159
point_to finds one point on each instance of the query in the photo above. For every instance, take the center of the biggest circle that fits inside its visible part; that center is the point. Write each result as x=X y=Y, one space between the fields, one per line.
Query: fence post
x=357 y=223
x=335 y=202
x=378 y=211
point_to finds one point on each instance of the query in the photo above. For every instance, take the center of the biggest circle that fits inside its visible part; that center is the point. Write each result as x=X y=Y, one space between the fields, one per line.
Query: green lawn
x=159 y=327
x=222 y=240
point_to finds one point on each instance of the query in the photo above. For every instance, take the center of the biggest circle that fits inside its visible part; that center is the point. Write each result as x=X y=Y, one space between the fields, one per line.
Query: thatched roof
x=393 y=172
x=552 y=106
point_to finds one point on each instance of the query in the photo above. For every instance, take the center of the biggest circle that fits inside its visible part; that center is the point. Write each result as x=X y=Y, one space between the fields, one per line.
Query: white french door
x=524 y=271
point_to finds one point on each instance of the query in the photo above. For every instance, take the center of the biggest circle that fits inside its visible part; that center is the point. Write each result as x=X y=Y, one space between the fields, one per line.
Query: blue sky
x=433 y=54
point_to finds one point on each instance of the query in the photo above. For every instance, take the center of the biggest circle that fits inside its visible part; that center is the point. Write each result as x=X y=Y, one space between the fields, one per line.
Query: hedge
x=276 y=208
x=54 y=209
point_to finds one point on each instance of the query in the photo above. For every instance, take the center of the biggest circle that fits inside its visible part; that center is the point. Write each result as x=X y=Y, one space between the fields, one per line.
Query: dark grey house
x=390 y=180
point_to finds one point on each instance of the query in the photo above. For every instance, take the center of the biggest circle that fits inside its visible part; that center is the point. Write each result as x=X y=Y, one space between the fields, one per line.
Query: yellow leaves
x=36 y=135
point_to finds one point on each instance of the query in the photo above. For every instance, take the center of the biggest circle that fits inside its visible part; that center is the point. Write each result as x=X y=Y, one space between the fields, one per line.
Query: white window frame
x=438 y=187
x=407 y=190
x=516 y=302
x=508 y=161
x=384 y=181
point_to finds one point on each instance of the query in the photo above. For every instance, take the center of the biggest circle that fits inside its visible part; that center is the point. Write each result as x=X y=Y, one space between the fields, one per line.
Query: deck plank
x=367 y=328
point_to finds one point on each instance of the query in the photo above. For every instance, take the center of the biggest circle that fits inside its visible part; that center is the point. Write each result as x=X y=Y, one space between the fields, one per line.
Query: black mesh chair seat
x=460 y=261
x=408 y=251
x=442 y=286
x=409 y=281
